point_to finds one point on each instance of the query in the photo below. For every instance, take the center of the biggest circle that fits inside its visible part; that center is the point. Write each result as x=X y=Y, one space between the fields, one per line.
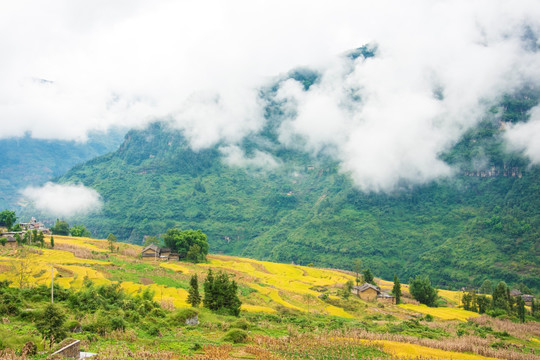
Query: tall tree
x=521 y=309
x=396 y=289
x=52 y=242
x=421 y=289
x=220 y=293
x=111 y=239
x=500 y=298
x=486 y=287
x=368 y=276
x=194 y=298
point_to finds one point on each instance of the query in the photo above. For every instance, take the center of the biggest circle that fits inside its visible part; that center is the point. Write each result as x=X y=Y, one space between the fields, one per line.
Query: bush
x=235 y=336
x=179 y=317
x=118 y=323
x=240 y=324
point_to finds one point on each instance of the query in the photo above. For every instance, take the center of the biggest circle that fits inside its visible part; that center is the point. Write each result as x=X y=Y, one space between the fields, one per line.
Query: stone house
x=366 y=292
x=153 y=251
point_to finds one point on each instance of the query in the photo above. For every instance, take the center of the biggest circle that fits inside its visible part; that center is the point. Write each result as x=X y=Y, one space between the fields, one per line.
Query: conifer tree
x=52 y=242
x=521 y=309
x=194 y=298
x=208 y=300
x=396 y=290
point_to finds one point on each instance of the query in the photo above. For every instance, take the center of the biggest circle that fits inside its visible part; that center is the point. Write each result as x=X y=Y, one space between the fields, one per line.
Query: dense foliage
x=422 y=290
x=220 y=293
x=7 y=219
x=61 y=227
x=191 y=245
x=482 y=223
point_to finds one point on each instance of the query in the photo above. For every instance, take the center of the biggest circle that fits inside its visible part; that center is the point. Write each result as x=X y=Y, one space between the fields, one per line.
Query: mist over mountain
x=269 y=201
x=27 y=161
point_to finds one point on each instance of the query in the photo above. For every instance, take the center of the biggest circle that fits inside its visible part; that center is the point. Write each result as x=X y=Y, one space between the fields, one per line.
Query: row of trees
x=501 y=303
x=220 y=293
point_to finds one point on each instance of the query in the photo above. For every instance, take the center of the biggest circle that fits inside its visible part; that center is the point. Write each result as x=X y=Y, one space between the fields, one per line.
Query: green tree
x=112 y=240
x=60 y=228
x=148 y=240
x=3 y=241
x=18 y=239
x=51 y=324
x=41 y=238
x=368 y=276
x=194 y=298
x=7 y=218
x=421 y=289
x=80 y=231
x=220 y=294
x=486 y=287
x=396 y=289
x=195 y=254
x=500 y=298
x=52 y=242
x=483 y=303
x=182 y=241
x=521 y=309
x=346 y=291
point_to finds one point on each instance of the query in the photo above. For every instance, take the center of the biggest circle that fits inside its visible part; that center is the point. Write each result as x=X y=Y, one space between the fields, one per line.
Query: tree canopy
x=7 y=218
x=189 y=244
x=61 y=227
x=421 y=289
x=80 y=231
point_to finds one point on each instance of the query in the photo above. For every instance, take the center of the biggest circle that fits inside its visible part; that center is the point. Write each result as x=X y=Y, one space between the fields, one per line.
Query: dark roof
x=366 y=286
x=10 y=238
x=165 y=250
x=515 y=292
x=152 y=247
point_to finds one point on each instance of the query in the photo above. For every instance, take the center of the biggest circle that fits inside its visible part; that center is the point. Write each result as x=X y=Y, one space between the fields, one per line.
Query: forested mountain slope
x=481 y=223
x=28 y=161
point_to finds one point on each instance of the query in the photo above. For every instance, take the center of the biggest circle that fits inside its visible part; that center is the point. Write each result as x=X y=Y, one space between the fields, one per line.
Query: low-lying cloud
x=233 y=155
x=75 y=66
x=525 y=137
x=63 y=200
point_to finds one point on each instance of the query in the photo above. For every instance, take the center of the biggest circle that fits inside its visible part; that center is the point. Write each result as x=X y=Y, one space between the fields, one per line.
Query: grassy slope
x=288 y=291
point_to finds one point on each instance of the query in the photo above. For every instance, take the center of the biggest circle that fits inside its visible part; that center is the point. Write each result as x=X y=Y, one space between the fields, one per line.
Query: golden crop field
x=414 y=351
x=445 y=313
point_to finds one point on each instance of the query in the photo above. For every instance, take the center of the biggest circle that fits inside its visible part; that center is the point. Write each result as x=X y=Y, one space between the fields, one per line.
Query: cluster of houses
x=153 y=251
x=527 y=299
x=369 y=292
x=32 y=225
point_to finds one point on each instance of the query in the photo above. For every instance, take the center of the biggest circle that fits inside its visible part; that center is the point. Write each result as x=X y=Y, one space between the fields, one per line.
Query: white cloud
x=525 y=137
x=233 y=155
x=65 y=200
x=200 y=64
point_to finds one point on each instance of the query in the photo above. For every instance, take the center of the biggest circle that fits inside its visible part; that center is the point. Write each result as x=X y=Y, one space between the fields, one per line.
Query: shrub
x=235 y=336
x=118 y=323
x=180 y=316
x=240 y=324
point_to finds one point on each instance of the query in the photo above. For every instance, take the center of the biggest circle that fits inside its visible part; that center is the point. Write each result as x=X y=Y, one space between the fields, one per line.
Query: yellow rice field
x=444 y=313
x=413 y=351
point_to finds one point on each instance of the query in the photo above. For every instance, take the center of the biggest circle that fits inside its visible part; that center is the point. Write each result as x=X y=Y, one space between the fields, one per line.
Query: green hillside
x=27 y=161
x=479 y=224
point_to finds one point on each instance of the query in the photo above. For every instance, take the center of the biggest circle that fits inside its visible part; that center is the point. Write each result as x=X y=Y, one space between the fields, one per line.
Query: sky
x=69 y=67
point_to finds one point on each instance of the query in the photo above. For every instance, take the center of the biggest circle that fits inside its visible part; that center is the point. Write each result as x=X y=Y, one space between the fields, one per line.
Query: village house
x=33 y=224
x=369 y=292
x=153 y=251
x=527 y=299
